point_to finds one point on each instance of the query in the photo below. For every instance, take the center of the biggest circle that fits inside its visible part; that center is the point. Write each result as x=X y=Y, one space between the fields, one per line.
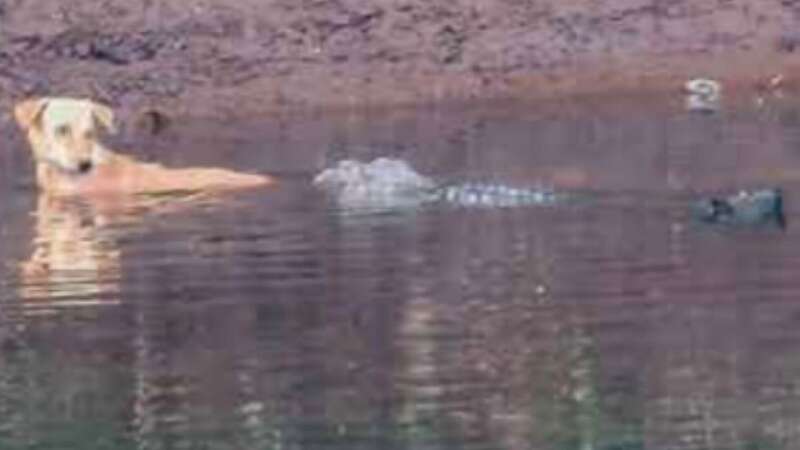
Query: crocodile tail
x=493 y=195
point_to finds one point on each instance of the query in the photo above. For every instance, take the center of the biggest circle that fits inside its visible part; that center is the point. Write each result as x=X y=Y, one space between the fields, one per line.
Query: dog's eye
x=62 y=130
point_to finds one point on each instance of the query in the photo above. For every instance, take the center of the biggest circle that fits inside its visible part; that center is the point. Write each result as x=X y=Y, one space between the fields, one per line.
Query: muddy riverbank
x=215 y=58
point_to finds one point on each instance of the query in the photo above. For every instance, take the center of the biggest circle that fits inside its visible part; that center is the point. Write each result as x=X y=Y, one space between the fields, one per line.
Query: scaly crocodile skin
x=393 y=183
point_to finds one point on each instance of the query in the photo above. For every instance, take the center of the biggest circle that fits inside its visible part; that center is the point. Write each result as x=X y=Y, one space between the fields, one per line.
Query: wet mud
x=215 y=58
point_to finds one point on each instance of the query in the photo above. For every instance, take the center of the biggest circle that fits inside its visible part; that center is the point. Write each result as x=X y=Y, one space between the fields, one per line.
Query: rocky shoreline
x=248 y=57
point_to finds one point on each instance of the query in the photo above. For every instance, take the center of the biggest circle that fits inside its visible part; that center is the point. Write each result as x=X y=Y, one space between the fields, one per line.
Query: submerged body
x=393 y=184
x=119 y=174
x=387 y=183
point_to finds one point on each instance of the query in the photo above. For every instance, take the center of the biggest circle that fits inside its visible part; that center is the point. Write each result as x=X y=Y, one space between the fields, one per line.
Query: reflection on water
x=73 y=261
x=270 y=321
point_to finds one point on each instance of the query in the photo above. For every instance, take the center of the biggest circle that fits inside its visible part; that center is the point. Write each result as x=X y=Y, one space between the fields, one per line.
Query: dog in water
x=64 y=136
x=83 y=188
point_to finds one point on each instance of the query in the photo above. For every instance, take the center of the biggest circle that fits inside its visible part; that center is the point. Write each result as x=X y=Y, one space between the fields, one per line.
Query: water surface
x=273 y=320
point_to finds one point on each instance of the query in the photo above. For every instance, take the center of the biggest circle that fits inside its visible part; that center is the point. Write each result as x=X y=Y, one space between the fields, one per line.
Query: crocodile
x=392 y=184
x=745 y=208
x=387 y=183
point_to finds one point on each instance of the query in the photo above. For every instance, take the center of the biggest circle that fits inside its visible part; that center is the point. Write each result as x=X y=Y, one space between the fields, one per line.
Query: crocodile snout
x=759 y=207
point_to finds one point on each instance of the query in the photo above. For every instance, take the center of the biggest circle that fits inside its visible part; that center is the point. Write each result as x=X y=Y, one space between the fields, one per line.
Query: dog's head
x=63 y=131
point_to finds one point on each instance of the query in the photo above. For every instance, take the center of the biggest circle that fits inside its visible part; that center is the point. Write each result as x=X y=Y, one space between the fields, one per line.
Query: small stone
x=152 y=121
x=82 y=50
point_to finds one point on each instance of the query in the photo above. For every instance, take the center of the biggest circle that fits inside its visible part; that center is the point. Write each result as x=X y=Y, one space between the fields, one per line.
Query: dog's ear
x=28 y=113
x=105 y=116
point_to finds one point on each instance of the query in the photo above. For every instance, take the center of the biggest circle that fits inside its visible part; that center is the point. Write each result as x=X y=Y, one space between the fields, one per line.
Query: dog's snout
x=84 y=166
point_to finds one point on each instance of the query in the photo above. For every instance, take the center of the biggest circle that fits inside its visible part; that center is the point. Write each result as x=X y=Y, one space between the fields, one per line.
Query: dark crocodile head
x=760 y=207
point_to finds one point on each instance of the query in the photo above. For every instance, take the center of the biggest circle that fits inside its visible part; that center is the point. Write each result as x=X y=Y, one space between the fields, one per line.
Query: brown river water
x=273 y=320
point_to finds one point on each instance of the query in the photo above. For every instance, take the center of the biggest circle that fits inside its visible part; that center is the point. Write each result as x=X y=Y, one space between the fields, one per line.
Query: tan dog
x=63 y=134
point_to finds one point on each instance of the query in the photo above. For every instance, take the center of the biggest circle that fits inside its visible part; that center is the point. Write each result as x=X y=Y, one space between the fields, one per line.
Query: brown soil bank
x=223 y=57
